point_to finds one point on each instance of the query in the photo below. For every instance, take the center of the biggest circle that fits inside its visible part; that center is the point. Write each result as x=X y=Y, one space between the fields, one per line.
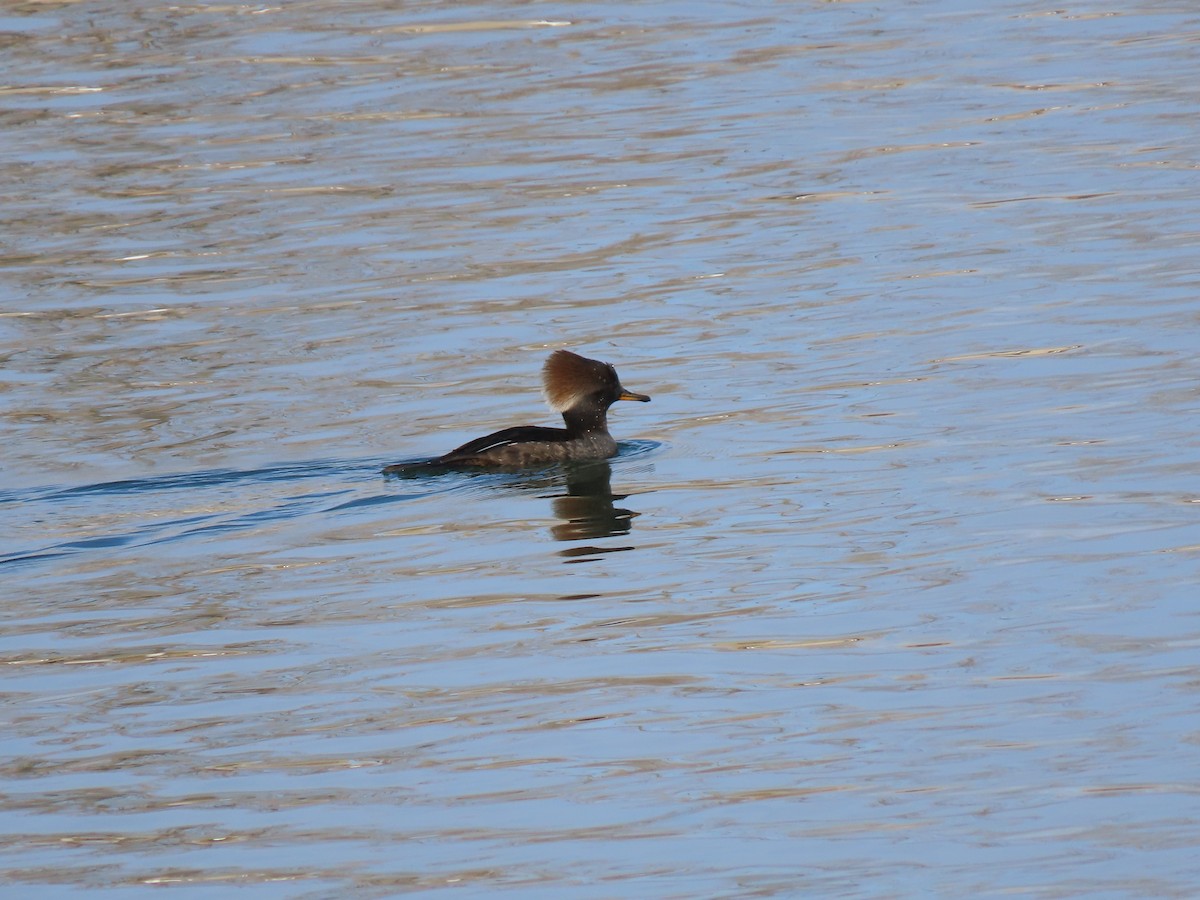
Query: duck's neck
x=585 y=420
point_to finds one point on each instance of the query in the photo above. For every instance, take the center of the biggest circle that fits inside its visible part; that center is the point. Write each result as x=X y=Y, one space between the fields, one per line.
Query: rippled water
x=891 y=591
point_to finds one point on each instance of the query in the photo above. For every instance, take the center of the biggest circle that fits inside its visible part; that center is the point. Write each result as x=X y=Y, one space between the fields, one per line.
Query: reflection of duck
x=587 y=508
x=582 y=390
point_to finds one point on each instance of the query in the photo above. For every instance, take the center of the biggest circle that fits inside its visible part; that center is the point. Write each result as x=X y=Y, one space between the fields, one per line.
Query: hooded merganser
x=579 y=388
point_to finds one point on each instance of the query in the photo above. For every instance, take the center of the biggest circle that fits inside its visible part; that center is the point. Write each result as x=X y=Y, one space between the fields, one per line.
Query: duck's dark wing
x=521 y=434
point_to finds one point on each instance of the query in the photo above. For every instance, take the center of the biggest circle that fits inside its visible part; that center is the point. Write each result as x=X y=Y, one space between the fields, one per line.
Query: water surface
x=890 y=592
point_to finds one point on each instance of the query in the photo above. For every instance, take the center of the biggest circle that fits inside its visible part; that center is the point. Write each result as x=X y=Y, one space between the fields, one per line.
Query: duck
x=582 y=390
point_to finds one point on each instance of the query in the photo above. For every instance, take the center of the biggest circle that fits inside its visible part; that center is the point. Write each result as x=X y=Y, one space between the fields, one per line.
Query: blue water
x=890 y=591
